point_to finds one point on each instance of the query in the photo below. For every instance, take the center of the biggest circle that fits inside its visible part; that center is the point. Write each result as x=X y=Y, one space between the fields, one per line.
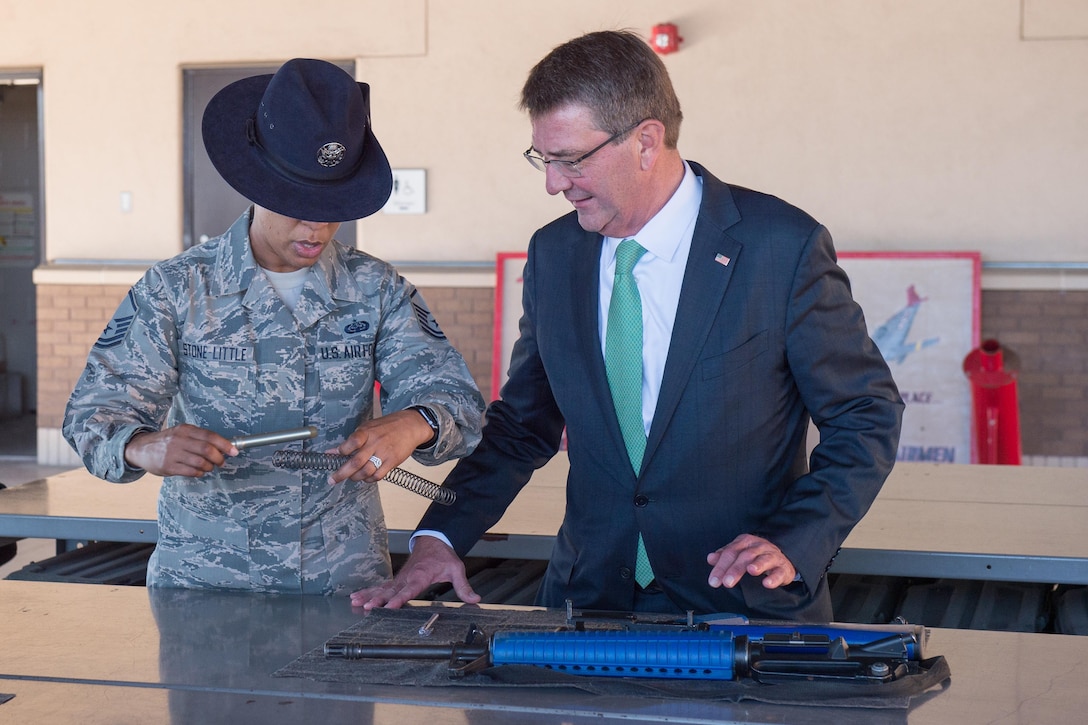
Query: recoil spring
x=307 y=460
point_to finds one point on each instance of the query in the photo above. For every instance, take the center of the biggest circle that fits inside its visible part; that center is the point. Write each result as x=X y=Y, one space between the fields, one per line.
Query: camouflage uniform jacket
x=204 y=339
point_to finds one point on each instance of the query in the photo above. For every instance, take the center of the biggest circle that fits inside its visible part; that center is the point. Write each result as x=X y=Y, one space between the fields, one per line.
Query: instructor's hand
x=431 y=562
x=183 y=450
x=389 y=438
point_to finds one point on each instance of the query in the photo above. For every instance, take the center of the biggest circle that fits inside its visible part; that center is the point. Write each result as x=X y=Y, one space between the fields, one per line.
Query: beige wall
x=112 y=96
x=929 y=124
x=902 y=124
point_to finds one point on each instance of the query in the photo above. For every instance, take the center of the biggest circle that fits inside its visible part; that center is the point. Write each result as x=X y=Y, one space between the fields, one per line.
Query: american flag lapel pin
x=721 y=259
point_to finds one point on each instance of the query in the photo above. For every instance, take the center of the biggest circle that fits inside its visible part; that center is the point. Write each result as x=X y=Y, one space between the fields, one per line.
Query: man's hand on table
x=431 y=562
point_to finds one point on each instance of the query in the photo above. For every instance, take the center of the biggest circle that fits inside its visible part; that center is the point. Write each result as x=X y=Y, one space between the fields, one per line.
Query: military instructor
x=270 y=326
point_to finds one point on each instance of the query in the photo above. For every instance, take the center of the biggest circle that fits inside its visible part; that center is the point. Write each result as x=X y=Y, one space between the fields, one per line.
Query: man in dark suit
x=748 y=329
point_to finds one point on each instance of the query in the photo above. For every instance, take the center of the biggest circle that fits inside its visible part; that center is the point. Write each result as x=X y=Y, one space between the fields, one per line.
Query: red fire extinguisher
x=995 y=433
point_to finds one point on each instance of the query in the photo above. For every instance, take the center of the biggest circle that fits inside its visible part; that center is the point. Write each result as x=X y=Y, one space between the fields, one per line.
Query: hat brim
x=242 y=164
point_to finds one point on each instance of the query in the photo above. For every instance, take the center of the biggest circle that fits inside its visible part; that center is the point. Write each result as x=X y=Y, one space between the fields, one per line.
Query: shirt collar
x=663 y=234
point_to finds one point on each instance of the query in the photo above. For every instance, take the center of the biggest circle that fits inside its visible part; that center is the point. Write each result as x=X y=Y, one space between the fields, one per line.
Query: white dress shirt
x=659 y=275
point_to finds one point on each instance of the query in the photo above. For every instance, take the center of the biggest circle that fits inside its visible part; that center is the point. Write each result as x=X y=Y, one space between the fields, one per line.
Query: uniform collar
x=238 y=270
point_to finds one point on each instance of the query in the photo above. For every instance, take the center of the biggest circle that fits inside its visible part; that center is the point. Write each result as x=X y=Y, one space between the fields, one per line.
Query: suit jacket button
x=626 y=573
x=641 y=500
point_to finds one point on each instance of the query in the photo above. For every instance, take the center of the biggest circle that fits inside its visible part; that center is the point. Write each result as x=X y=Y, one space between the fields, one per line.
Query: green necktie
x=623 y=363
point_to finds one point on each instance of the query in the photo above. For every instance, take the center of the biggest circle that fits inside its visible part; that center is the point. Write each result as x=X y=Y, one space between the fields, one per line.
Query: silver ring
x=376 y=461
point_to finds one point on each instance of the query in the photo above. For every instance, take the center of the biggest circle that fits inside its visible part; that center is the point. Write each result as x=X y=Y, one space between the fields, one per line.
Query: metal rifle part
x=724 y=654
x=912 y=637
x=675 y=652
x=279 y=436
x=300 y=460
x=470 y=655
x=427 y=628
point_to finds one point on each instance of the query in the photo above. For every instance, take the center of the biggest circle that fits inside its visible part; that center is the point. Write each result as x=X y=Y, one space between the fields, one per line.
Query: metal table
x=981 y=522
x=98 y=654
x=998 y=523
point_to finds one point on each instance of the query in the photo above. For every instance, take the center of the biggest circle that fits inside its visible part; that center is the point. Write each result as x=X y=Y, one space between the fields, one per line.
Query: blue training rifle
x=667 y=649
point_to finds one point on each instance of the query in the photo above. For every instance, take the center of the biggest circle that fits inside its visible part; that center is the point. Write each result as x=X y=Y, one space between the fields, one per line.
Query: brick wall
x=1047 y=330
x=467 y=315
x=71 y=317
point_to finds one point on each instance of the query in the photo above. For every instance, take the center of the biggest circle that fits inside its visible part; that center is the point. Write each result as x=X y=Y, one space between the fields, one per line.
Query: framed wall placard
x=922 y=310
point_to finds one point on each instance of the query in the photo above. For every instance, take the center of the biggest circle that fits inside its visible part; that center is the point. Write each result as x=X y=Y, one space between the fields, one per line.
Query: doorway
x=21 y=217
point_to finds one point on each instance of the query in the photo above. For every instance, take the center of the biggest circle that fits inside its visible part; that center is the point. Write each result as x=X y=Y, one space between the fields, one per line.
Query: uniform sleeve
x=129 y=381
x=417 y=365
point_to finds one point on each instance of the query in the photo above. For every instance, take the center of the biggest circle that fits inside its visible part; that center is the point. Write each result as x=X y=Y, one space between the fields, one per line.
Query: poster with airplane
x=922 y=310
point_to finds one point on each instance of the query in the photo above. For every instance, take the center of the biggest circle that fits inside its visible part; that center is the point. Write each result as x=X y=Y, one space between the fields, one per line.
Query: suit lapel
x=585 y=286
x=713 y=257
x=585 y=291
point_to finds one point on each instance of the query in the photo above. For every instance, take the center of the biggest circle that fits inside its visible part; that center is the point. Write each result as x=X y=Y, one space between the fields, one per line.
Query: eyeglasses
x=573 y=169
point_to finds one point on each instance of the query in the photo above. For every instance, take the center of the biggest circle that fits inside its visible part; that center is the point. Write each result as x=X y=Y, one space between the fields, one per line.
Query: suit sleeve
x=854 y=402
x=522 y=432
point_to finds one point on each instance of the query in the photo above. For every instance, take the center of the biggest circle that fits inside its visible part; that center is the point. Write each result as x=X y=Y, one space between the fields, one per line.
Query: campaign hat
x=299 y=142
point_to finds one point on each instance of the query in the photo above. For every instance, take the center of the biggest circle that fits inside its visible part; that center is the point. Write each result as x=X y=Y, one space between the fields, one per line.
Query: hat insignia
x=331 y=154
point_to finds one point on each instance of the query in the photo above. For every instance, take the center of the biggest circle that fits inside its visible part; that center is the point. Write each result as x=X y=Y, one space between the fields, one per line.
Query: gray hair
x=615 y=74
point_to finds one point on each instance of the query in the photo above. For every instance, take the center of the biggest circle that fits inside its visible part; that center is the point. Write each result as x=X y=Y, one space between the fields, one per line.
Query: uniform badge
x=118 y=327
x=426 y=320
x=331 y=154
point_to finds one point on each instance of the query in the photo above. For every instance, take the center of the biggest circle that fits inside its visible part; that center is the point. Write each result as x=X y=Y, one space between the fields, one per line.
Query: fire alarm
x=665 y=38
